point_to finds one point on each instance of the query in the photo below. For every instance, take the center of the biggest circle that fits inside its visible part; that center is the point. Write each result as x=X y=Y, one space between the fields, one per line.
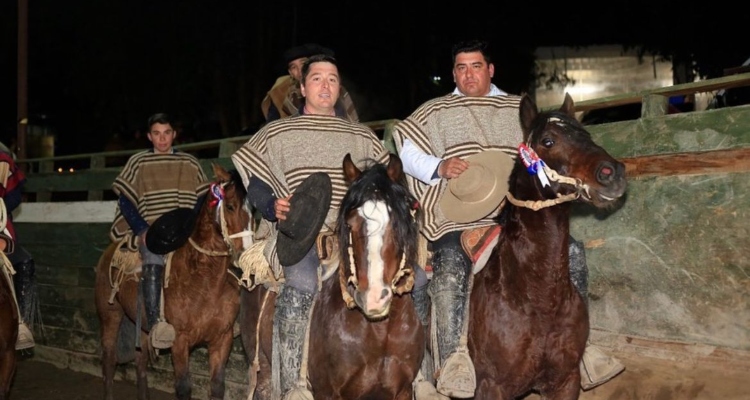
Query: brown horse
x=8 y=332
x=365 y=339
x=529 y=325
x=201 y=299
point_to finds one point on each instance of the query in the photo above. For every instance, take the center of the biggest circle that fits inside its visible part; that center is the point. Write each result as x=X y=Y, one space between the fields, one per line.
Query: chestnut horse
x=529 y=325
x=201 y=299
x=365 y=339
x=8 y=330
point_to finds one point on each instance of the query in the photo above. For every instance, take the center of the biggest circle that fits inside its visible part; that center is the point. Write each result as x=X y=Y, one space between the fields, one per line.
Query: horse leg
x=141 y=368
x=110 y=318
x=7 y=368
x=218 y=353
x=180 y=363
x=569 y=389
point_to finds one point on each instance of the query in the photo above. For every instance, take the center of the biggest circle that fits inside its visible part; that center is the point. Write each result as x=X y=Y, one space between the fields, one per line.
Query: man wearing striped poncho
x=152 y=183
x=272 y=164
x=433 y=143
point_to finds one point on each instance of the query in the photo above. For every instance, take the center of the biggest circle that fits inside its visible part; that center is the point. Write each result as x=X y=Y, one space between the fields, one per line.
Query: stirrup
x=597 y=367
x=162 y=335
x=457 y=377
x=298 y=393
x=425 y=390
x=25 y=337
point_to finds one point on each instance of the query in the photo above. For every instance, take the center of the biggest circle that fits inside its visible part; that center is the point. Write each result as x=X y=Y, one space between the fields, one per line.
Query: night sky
x=100 y=68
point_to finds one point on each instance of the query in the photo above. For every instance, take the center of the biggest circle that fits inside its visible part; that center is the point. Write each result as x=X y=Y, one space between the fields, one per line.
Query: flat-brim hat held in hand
x=479 y=190
x=308 y=208
x=171 y=231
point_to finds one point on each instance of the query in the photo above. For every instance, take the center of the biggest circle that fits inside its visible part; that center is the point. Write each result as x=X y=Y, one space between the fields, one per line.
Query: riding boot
x=161 y=333
x=448 y=289
x=424 y=384
x=24 y=282
x=596 y=366
x=291 y=324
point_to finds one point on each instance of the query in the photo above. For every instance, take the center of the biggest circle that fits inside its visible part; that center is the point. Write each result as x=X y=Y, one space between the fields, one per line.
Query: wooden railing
x=92 y=179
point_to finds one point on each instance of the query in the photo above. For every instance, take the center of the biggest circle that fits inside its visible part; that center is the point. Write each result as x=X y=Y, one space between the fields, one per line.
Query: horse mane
x=375 y=184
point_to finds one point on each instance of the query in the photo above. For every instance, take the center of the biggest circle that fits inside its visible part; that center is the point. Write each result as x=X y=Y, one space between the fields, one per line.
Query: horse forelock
x=375 y=185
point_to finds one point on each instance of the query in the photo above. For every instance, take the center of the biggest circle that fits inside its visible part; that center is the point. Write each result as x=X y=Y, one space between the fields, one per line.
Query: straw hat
x=308 y=209
x=479 y=190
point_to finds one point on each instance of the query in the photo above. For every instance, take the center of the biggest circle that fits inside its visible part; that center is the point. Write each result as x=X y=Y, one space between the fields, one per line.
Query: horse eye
x=230 y=207
x=547 y=142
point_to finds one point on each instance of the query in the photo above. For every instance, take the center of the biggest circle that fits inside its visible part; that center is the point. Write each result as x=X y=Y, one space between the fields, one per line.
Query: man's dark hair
x=313 y=59
x=159 y=118
x=471 y=46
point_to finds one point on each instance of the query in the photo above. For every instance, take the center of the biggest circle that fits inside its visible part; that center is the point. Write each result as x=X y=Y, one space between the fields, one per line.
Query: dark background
x=98 y=69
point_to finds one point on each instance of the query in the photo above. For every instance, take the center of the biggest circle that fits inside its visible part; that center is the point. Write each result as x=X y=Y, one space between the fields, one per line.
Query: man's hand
x=281 y=207
x=452 y=167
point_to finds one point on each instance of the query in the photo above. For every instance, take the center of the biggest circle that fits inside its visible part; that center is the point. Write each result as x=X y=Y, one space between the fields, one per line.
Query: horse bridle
x=398 y=289
x=580 y=187
x=217 y=191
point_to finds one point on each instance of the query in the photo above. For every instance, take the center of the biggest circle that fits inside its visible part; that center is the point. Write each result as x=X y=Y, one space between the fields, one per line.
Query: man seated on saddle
x=433 y=144
x=281 y=166
x=152 y=183
x=12 y=179
x=285 y=100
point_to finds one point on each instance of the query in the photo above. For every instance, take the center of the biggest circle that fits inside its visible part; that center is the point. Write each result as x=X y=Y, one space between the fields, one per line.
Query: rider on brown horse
x=301 y=155
x=433 y=144
x=152 y=183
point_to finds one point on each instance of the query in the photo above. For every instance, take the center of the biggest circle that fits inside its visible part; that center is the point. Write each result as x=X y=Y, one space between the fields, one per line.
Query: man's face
x=321 y=88
x=162 y=136
x=473 y=76
x=295 y=68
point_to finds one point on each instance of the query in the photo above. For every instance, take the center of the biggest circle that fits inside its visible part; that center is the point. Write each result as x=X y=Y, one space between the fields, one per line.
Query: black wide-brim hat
x=171 y=231
x=304 y=51
x=308 y=208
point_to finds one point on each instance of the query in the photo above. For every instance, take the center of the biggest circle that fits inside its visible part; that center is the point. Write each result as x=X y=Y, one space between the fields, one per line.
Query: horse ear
x=527 y=113
x=351 y=172
x=220 y=173
x=567 y=106
x=395 y=168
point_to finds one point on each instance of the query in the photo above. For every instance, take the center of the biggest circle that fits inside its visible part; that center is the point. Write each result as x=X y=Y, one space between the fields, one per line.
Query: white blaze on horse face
x=376 y=216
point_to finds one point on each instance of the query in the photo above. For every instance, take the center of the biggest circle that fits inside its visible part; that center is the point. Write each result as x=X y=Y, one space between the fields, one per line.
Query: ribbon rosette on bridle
x=533 y=163
x=217 y=191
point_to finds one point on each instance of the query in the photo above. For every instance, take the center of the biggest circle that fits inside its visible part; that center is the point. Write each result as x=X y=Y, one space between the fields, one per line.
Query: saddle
x=477 y=243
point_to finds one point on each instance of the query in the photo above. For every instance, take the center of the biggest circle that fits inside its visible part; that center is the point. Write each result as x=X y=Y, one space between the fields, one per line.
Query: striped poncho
x=155 y=184
x=458 y=126
x=285 y=152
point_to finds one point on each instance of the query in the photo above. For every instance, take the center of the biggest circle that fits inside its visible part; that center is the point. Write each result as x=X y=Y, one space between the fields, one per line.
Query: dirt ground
x=643 y=379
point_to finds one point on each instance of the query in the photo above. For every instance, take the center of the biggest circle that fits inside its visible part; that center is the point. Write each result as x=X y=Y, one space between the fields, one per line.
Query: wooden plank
x=693 y=163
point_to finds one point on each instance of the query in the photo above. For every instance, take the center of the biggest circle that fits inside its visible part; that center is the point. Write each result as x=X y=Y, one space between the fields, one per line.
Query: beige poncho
x=285 y=152
x=155 y=184
x=458 y=126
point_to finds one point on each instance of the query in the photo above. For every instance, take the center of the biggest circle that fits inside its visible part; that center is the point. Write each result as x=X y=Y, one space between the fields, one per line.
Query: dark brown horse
x=201 y=299
x=366 y=341
x=529 y=326
x=8 y=332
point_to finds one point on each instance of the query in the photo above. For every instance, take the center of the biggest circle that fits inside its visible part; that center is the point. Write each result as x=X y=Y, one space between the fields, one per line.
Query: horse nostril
x=606 y=172
x=385 y=294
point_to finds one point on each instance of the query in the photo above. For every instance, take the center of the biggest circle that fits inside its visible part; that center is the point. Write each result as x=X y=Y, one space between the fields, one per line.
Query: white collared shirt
x=423 y=166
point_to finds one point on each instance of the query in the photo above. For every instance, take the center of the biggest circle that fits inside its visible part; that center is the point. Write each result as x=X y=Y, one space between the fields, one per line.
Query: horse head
x=560 y=151
x=377 y=233
x=225 y=220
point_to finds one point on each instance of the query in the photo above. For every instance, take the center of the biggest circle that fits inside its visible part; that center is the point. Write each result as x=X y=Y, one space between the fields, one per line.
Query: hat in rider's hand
x=171 y=231
x=308 y=208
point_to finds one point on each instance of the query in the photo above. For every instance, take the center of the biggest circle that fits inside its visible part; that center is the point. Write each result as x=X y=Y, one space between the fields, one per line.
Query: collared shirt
x=425 y=166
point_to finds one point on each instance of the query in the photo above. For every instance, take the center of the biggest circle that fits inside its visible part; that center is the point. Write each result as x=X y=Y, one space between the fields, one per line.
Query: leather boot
x=161 y=333
x=290 y=323
x=448 y=289
x=424 y=384
x=596 y=366
x=24 y=282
